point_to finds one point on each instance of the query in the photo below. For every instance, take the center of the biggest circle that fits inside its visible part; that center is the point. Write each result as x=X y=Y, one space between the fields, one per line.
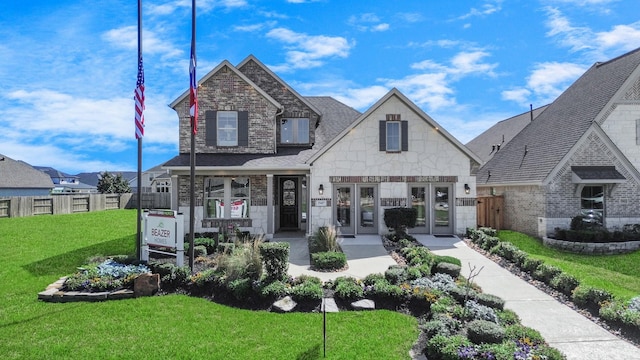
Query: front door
x=345 y=208
x=367 y=205
x=420 y=202
x=442 y=214
x=288 y=203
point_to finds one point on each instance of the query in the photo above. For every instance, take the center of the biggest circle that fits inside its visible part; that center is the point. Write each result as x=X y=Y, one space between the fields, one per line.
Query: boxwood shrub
x=546 y=272
x=348 y=288
x=485 y=332
x=490 y=300
x=329 y=260
x=590 y=297
x=275 y=256
x=307 y=291
x=564 y=283
x=448 y=268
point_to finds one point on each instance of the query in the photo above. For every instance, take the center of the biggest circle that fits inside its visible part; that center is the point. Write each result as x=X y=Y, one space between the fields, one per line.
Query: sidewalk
x=573 y=334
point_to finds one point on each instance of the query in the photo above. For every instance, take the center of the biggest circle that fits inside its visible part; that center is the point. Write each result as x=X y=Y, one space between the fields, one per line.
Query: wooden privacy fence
x=490 y=211
x=21 y=206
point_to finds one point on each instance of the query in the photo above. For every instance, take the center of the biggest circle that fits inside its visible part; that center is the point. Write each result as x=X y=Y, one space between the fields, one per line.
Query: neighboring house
x=65 y=183
x=270 y=160
x=18 y=178
x=156 y=180
x=496 y=137
x=580 y=155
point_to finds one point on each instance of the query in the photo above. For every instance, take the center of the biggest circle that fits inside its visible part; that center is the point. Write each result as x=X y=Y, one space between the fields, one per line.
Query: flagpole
x=139 y=206
x=193 y=102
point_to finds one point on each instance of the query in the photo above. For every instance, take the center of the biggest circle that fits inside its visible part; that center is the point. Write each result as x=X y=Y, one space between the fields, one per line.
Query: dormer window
x=394 y=134
x=294 y=131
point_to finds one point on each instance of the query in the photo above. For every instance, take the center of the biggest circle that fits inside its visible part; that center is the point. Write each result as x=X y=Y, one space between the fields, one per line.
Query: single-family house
x=269 y=160
x=65 y=183
x=579 y=156
x=18 y=178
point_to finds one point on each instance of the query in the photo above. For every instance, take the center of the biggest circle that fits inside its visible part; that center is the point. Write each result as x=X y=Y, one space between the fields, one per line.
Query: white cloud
x=255 y=27
x=486 y=9
x=546 y=82
x=625 y=37
x=410 y=17
x=368 y=22
x=308 y=51
x=361 y=98
x=126 y=37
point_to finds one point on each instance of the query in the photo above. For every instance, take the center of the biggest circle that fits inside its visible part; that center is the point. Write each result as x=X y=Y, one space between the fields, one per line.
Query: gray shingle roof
x=484 y=145
x=18 y=174
x=336 y=116
x=532 y=154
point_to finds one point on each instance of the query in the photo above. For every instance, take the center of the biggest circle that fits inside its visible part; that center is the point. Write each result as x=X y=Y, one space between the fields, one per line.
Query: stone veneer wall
x=523 y=205
x=592 y=248
x=225 y=90
x=293 y=106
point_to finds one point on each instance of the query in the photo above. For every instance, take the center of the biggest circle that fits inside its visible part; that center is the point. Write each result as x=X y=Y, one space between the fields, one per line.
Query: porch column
x=270 y=217
x=174 y=193
x=308 y=197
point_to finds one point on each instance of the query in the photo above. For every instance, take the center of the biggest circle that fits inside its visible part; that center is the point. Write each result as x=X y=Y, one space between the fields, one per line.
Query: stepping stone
x=329 y=305
x=284 y=305
x=364 y=304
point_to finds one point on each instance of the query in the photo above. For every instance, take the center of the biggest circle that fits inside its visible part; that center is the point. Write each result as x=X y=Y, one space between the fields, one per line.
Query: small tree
x=112 y=184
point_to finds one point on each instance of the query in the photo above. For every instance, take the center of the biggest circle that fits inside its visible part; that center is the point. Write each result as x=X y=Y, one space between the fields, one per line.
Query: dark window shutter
x=210 y=119
x=243 y=128
x=383 y=135
x=404 y=136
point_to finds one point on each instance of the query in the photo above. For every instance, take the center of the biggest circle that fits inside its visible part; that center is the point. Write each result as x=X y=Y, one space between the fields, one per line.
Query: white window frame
x=295 y=131
x=215 y=203
x=227 y=123
x=389 y=136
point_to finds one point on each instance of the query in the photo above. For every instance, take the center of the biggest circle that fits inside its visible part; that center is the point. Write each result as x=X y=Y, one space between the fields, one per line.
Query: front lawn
x=38 y=250
x=617 y=274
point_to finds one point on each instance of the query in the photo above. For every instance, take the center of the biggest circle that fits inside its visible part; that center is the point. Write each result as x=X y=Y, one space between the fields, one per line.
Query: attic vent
x=393 y=117
x=227 y=84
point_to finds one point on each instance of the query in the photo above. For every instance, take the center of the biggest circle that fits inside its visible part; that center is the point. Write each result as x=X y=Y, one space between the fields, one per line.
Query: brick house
x=269 y=160
x=579 y=155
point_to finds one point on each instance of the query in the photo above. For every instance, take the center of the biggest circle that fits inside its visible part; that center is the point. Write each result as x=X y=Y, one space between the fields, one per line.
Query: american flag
x=193 y=91
x=139 y=96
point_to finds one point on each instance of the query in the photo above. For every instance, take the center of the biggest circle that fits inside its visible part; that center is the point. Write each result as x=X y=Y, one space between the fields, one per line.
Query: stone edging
x=144 y=285
x=608 y=248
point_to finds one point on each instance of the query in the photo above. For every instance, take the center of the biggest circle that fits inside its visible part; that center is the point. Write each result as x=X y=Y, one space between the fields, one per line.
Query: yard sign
x=164 y=228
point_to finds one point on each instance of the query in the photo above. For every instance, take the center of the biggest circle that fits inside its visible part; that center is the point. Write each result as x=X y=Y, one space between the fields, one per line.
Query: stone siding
x=225 y=90
x=293 y=106
x=523 y=205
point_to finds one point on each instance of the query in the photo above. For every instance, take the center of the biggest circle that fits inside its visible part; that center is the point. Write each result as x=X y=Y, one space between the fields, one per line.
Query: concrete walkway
x=568 y=331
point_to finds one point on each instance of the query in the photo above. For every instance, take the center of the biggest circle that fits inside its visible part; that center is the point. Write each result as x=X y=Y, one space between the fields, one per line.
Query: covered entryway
x=289 y=201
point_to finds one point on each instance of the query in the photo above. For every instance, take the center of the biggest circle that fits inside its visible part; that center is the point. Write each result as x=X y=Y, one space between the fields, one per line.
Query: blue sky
x=68 y=67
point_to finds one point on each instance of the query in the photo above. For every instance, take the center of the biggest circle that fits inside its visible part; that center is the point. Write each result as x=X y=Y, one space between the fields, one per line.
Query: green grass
x=617 y=274
x=38 y=250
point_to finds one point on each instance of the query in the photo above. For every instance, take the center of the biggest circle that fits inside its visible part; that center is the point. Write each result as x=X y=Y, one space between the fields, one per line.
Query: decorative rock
x=146 y=285
x=284 y=305
x=329 y=305
x=364 y=304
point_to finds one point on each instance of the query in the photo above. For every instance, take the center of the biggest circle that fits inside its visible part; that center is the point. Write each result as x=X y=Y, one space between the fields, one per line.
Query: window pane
x=227 y=128
x=286 y=131
x=393 y=136
x=303 y=131
x=214 y=194
x=592 y=204
x=240 y=196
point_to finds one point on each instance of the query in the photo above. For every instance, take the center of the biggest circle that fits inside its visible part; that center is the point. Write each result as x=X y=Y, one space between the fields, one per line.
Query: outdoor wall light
x=321 y=189
x=467 y=189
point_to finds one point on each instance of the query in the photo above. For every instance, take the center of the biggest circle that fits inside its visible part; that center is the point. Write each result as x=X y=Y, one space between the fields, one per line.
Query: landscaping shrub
x=199 y=251
x=480 y=312
x=225 y=247
x=505 y=250
x=590 y=297
x=437 y=259
x=204 y=279
x=519 y=332
x=328 y=260
x=564 y=283
x=210 y=244
x=240 y=288
x=442 y=347
x=489 y=242
x=507 y=317
x=620 y=314
x=348 y=288
x=415 y=272
x=324 y=240
x=418 y=255
x=448 y=268
x=462 y=293
x=400 y=218
x=371 y=279
x=519 y=257
x=485 y=332
x=546 y=272
x=307 y=291
x=384 y=291
x=274 y=290
x=490 y=300
x=488 y=231
x=530 y=264
x=275 y=257
x=171 y=276
x=244 y=262
x=396 y=274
